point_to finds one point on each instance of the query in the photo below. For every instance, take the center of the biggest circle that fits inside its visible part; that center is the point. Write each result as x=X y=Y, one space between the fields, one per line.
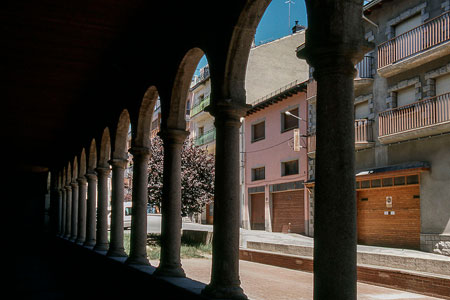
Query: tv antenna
x=289 y=2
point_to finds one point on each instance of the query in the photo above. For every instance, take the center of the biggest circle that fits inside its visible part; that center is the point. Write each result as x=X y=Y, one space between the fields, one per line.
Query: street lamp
x=292 y=115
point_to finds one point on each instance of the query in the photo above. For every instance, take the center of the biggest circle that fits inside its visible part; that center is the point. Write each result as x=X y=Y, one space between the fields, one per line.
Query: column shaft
x=138 y=239
x=75 y=199
x=170 y=262
x=102 y=210
x=81 y=210
x=116 y=248
x=335 y=204
x=68 y=231
x=225 y=281
x=63 y=212
x=91 y=208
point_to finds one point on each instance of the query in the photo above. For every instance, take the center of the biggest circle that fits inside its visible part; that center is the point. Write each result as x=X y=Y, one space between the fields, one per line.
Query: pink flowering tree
x=197 y=176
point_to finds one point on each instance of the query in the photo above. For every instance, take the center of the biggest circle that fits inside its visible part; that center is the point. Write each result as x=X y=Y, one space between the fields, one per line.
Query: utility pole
x=289 y=2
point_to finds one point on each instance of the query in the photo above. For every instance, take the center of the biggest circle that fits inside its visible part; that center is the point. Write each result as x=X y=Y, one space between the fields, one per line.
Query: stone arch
x=141 y=132
x=75 y=169
x=233 y=86
x=92 y=158
x=69 y=174
x=82 y=167
x=176 y=117
x=105 y=149
x=121 y=136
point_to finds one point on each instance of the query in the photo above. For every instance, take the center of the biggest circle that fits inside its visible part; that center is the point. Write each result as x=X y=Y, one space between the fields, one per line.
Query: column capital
x=68 y=187
x=74 y=184
x=229 y=109
x=91 y=175
x=118 y=163
x=173 y=135
x=139 y=151
x=103 y=170
x=82 y=180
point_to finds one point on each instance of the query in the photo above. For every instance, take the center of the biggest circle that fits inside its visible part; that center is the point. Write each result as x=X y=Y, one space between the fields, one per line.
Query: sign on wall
x=389 y=201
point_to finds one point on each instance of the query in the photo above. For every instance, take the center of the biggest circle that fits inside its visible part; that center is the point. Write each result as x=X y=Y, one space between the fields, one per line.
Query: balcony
x=423 y=118
x=199 y=107
x=413 y=48
x=363 y=137
x=206 y=138
x=364 y=76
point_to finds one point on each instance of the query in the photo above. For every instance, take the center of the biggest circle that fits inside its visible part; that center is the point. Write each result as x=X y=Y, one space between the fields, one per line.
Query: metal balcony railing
x=423 y=37
x=424 y=113
x=363 y=134
x=363 y=131
x=365 y=67
x=199 y=107
x=205 y=138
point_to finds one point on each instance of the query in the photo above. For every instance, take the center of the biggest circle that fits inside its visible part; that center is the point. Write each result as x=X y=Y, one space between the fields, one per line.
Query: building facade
x=402 y=127
x=275 y=171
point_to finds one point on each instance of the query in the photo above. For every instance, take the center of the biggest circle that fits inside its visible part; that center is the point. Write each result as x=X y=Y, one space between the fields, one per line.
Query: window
x=408 y=24
x=258 y=173
x=258 y=131
x=289 y=168
x=443 y=85
x=201 y=131
x=188 y=108
x=289 y=122
x=406 y=96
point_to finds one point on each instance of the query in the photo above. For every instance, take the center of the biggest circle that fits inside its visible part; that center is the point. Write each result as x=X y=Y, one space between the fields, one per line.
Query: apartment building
x=402 y=127
x=276 y=162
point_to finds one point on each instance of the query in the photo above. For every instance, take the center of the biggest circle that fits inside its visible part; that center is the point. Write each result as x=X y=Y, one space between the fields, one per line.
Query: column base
x=79 y=242
x=138 y=261
x=119 y=252
x=90 y=243
x=215 y=291
x=73 y=239
x=170 y=271
x=101 y=247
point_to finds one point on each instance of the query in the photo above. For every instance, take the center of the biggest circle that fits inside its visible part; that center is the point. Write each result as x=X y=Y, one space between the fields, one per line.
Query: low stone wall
x=439 y=265
x=197 y=236
x=435 y=243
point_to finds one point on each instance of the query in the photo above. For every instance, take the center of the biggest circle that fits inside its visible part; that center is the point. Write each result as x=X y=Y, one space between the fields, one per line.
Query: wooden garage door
x=288 y=207
x=401 y=229
x=257 y=218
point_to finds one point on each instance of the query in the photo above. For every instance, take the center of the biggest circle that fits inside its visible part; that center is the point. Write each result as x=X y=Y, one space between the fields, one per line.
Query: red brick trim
x=397 y=279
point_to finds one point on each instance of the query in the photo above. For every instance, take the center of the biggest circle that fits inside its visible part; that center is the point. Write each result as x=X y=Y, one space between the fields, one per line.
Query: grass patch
x=188 y=249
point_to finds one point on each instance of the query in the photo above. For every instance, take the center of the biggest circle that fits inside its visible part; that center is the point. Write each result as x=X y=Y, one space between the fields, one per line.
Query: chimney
x=297 y=27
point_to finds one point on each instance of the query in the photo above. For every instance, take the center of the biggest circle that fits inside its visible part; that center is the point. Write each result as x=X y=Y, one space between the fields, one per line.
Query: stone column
x=102 y=210
x=81 y=210
x=63 y=212
x=68 y=230
x=91 y=208
x=225 y=282
x=334 y=45
x=170 y=262
x=75 y=199
x=138 y=238
x=59 y=211
x=116 y=248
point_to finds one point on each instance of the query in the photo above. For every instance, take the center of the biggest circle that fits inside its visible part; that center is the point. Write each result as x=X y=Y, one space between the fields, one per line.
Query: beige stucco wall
x=274 y=65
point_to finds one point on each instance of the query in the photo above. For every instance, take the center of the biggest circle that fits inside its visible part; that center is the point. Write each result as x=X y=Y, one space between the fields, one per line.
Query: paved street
x=266 y=282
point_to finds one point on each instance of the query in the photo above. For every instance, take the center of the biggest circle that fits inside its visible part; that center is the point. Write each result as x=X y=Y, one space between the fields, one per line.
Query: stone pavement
x=265 y=282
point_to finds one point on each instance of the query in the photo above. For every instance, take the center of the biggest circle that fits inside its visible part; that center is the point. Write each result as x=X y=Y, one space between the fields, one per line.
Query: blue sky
x=275 y=22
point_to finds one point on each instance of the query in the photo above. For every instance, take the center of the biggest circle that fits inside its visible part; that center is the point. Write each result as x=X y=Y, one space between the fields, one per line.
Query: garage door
x=397 y=226
x=288 y=207
x=257 y=218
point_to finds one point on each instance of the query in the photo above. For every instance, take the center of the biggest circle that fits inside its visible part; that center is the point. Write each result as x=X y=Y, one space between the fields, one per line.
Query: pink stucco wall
x=275 y=148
